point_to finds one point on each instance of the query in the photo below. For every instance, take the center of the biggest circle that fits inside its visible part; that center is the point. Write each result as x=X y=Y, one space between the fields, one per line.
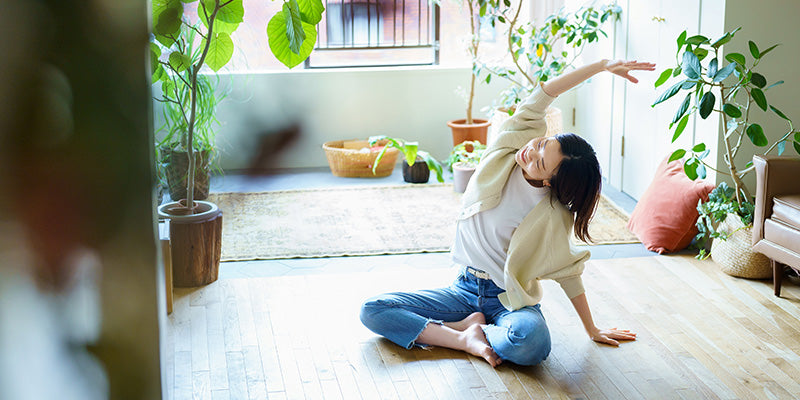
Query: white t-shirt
x=482 y=240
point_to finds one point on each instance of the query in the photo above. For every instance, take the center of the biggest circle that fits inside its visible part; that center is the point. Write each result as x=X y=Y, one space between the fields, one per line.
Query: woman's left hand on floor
x=612 y=336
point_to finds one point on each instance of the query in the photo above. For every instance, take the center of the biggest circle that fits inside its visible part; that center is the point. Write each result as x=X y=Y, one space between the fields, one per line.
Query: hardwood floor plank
x=237 y=378
x=201 y=385
x=254 y=373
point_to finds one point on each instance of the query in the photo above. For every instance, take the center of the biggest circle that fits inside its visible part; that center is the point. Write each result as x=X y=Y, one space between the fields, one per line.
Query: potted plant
x=171 y=149
x=470 y=128
x=541 y=53
x=196 y=226
x=463 y=160
x=418 y=165
x=731 y=88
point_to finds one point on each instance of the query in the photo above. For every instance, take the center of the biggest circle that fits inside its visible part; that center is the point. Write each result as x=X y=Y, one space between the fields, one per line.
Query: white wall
x=413 y=103
x=767 y=22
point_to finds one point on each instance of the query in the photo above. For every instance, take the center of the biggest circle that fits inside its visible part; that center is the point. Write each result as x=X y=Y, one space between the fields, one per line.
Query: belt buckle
x=478 y=274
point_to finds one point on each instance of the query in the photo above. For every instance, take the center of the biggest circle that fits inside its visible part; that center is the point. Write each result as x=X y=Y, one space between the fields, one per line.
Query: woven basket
x=735 y=255
x=348 y=159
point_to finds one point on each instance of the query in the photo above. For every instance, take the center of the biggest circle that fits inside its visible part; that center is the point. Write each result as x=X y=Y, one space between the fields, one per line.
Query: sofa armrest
x=774 y=176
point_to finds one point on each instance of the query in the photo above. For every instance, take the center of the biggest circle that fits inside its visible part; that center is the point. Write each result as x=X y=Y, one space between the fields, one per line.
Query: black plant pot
x=417 y=173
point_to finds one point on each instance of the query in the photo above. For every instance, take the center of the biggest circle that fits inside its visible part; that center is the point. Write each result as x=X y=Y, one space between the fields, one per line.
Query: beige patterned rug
x=356 y=221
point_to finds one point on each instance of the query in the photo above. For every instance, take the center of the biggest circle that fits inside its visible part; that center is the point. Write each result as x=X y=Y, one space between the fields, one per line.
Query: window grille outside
x=376 y=33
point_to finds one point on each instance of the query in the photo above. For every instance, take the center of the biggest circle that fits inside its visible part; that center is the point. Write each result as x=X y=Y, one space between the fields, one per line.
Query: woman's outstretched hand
x=612 y=336
x=623 y=68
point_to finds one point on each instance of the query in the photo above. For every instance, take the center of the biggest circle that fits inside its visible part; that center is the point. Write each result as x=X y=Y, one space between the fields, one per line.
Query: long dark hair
x=578 y=181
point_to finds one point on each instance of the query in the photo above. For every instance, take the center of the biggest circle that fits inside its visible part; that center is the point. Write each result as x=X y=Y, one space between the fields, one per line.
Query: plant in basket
x=732 y=88
x=419 y=163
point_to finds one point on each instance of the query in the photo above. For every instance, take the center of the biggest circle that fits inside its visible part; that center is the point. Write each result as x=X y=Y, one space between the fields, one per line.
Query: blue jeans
x=519 y=336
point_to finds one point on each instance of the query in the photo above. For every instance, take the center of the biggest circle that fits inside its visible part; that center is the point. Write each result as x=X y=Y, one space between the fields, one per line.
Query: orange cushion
x=664 y=218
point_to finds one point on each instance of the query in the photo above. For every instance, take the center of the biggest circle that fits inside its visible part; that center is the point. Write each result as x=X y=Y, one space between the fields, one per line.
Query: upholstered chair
x=776 y=222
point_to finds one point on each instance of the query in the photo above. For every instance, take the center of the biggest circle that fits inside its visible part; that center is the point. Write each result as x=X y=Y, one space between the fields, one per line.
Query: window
x=376 y=32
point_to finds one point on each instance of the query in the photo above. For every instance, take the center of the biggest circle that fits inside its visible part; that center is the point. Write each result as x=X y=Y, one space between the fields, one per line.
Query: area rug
x=608 y=226
x=352 y=221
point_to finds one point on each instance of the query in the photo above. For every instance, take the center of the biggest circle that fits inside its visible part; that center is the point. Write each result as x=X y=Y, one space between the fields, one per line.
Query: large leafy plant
x=544 y=52
x=731 y=88
x=176 y=62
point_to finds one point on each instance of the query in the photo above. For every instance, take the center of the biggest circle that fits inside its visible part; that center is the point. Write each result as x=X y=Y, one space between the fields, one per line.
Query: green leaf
x=759 y=97
x=179 y=61
x=780 y=114
x=690 y=168
x=691 y=65
x=279 y=41
x=712 y=68
x=735 y=57
x=220 y=51
x=155 y=54
x=681 y=40
x=756 y=135
x=707 y=105
x=700 y=53
x=682 y=109
x=230 y=11
x=724 y=72
x=732 y=110
x=697 y=39
x=663 y=77
x=294 y=25
x=724 y=39
x=669 y=93
x=677 y=71
x=677 y=154
x=769 y=49
x=796 y=146
x=680 y=128
x=754 y=49
x=758 y=79
x=700 y=147
x=774 y=84
x=797 y=136
x=167 y=16
x=311 y=11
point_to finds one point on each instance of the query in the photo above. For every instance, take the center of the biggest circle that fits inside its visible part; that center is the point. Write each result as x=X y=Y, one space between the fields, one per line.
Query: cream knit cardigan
x=540 y=247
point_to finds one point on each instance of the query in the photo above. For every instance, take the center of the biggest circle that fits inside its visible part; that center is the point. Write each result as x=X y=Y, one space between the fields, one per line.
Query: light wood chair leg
x=777 y=276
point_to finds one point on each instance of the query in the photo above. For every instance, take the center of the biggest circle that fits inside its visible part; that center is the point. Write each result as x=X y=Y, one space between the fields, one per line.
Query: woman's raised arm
x=573 y=78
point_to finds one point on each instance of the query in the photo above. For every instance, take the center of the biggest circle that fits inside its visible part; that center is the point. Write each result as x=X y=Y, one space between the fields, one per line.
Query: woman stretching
x=527 y=195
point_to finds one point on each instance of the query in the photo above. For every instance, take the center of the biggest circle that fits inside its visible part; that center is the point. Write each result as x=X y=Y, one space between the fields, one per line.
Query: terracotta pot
x=417 y=172
x=462 y=132
x=196 y=242
x=461 y=176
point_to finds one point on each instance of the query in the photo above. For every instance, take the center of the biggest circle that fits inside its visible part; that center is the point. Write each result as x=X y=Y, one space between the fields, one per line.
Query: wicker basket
x=735 y=255
x=348 y=159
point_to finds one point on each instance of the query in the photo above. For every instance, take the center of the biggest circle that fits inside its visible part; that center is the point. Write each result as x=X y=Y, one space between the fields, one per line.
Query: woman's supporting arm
x=573 y=78
x=608 y=336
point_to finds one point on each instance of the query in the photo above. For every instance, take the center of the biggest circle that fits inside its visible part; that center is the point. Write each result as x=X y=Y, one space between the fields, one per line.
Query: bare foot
x=475 y=318
x=475 y=343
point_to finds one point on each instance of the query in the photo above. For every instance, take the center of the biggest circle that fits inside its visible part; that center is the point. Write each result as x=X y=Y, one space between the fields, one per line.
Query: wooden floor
x=702 y=334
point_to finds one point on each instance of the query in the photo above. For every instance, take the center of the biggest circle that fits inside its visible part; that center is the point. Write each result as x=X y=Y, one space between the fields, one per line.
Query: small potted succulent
x=463 y=160
x=418 y=165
